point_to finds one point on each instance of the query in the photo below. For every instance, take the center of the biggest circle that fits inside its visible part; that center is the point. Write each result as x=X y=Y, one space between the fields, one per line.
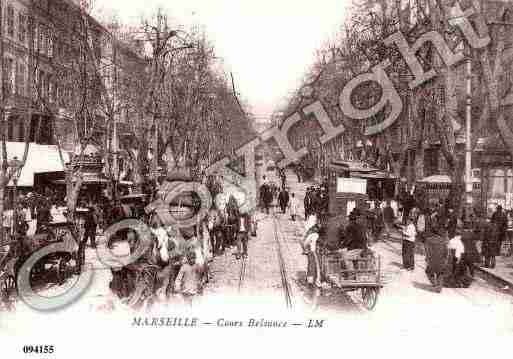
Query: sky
x=267 y=44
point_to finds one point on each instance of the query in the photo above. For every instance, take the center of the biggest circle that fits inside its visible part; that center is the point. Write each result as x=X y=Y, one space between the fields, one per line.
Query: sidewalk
x=503 y=271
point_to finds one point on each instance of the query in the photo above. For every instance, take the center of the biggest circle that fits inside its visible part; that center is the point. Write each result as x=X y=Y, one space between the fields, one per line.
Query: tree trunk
x=2 y=197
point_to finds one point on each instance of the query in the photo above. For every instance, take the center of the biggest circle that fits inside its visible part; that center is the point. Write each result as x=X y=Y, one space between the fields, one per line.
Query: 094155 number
x=38 y=349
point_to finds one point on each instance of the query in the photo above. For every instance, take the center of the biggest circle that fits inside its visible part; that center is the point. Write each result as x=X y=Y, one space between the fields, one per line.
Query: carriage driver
x=354 y=241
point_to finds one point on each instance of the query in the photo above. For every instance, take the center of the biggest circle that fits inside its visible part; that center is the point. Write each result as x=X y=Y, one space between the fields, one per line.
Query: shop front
x=496 y=173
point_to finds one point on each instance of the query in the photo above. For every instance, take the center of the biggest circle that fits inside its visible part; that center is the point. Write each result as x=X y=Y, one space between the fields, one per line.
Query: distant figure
x=308 y=202
x=294 y=206
x=266 y=195
x=490 y=244
x=90 y=226
x=283 y=178
x=243 y=228
x=500 y=219
x=283 y=200
x=408 y=249
x=509 y=232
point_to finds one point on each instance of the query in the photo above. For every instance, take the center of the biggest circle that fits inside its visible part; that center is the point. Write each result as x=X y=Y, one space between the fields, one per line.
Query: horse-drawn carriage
x=151 y=277
x=53 y=268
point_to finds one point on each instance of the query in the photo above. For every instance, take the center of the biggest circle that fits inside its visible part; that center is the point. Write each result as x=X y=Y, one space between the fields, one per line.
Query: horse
x=152 y=276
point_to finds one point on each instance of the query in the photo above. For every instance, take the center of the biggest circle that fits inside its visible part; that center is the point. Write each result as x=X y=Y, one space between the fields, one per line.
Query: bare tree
x=5 y=95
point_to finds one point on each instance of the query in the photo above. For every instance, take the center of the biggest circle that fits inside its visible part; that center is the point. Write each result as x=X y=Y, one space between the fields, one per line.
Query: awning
x=374 y=175
x=88 y=178
x=353 y=166
x=436 y=179
x=443 y=179
x=40 y=159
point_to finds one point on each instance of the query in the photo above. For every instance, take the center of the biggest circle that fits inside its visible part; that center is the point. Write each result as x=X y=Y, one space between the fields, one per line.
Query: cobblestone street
x=401 y=296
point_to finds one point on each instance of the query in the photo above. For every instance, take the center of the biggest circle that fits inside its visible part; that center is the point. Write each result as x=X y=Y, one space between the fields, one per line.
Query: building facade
x=45 y=52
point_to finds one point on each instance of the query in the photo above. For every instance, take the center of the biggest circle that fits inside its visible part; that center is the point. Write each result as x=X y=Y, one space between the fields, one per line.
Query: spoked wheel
x=370 y=297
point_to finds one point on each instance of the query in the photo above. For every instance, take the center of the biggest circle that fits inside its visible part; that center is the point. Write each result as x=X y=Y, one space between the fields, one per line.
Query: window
x=10 y=21
x=57 y=91
x=11 y=122
x=22 y=27
x=40 y=84
x=41 y=42
x=31 y=31
x=22 y=130
x=8 y=72
x=46 y=88
x=57 y=49
x=50 y=45
x=20 y=79
x=496 y=184
x=431 y=158
x=51 y=89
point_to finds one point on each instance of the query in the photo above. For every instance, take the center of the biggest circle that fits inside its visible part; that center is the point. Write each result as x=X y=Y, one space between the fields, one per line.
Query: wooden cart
x=352 y=273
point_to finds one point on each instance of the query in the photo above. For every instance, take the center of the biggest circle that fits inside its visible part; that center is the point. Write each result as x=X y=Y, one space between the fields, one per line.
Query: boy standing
x=188 y=280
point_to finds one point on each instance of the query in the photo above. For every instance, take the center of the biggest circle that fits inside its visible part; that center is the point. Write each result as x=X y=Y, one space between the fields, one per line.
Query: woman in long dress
x=294 y=206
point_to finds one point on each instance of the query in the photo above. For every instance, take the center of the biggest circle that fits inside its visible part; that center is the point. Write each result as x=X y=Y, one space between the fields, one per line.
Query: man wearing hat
x=354 y=239
x=243 y=227
x=283 y=199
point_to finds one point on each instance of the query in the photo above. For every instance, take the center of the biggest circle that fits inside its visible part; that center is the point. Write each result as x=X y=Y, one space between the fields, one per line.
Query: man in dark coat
x=353 y=240
x=388 y=219
x=266 y=195
x=283 y=199
x=308 y=202
x=471 y=254
x=500 y=219
x=354 y=234
x=43 y=214
x=90 y=226
x=316 y=202
x=490 y=244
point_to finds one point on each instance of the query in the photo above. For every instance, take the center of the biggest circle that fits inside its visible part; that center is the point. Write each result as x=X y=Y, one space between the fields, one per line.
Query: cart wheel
x=370 y=297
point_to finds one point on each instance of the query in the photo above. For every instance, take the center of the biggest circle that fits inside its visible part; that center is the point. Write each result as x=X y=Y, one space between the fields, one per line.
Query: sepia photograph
x=256 y=178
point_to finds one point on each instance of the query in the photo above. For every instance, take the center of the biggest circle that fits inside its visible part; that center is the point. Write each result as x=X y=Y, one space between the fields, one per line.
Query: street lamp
x=14 y=171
